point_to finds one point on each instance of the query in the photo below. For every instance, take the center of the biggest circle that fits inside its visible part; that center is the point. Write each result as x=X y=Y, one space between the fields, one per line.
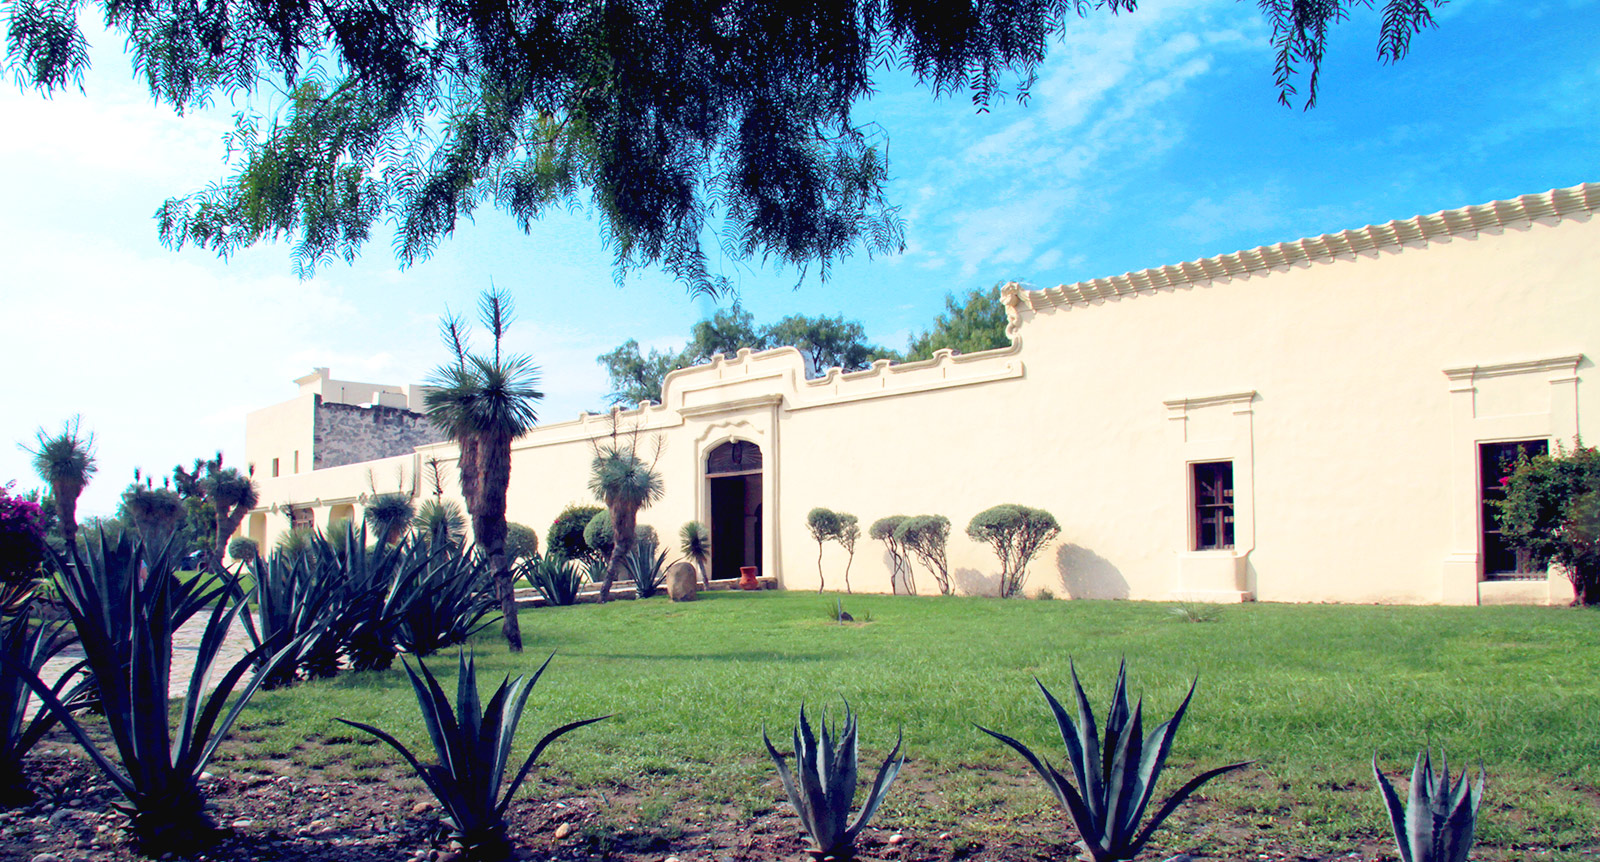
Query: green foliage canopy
x=1552 y=508
x=676 y=121
x=565 y=538
x=1016 y=533
x=826 y=342
x=522 y=543
x=977 y=322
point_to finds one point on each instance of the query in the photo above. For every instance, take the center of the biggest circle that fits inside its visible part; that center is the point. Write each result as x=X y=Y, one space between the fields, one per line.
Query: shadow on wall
x=1087 y=575
x=971 y=582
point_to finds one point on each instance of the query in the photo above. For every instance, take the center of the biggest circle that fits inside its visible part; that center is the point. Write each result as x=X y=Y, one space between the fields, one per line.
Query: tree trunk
x=228 y=520
x=491 y=478
x=819 y=567
x=67 y=513
x=624 y=525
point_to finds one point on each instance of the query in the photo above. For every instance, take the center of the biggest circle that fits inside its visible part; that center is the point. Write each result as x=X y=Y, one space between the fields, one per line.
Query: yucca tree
x=65 y=462
x=389 y=515
x=695 y=543
x=484 y=402
x=625 y=483
x=439 y=523
x=232 y=495
x=156 y=512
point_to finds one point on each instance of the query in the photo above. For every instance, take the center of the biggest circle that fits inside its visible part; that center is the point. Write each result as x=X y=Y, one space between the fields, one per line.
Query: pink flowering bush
x=1552 y=508
x=22 y=546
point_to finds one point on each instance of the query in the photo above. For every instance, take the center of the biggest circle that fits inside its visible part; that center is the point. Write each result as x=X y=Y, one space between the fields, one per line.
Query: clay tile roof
x=1556 y=203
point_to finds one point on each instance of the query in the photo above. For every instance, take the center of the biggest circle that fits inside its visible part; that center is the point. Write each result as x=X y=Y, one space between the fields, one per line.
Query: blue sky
x=1150 y=138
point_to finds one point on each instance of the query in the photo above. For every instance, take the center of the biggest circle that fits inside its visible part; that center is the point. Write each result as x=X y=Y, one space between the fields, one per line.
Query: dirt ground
x=311 y=817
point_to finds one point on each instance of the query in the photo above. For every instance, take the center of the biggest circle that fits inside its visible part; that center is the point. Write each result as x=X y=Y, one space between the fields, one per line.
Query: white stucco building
x=1318 y=420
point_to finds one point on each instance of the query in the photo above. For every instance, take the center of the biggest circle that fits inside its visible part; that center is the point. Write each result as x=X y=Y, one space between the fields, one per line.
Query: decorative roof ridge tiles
x=1556 y=203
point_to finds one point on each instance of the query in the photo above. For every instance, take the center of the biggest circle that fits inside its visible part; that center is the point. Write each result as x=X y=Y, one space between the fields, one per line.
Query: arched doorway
x=733 y=474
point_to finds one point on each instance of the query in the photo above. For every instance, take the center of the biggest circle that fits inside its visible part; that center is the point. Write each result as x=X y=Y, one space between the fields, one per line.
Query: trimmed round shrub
x=244 y=549
x=599 y=536
x=522 y=543
x=565 y=538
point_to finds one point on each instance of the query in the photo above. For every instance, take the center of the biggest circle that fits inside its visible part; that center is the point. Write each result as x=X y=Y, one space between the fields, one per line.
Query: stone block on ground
x=682 y=582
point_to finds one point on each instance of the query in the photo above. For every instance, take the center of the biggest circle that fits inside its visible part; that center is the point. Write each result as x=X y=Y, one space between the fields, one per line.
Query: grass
x=1308 y=691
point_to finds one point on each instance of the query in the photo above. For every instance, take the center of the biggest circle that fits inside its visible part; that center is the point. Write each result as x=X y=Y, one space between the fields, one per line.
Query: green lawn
x=1308 y=691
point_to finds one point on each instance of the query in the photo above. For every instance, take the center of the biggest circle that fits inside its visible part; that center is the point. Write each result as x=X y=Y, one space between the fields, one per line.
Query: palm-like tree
x=626 y=483
x=695 y=543
x=65 y=461
x=484 y=403
x=232 y=495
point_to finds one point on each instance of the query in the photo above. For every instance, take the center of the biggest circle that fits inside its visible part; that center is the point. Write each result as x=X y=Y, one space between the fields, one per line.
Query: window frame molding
x=1463 y=579
x=1223 y=574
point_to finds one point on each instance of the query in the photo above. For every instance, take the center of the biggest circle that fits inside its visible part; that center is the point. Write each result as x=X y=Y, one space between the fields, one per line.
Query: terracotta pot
x=747 y=578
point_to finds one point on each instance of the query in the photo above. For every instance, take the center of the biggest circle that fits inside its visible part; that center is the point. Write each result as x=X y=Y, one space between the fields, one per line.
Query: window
x=274 y=468
x=297 y=460
x=1496 y=461
x=1213 y=506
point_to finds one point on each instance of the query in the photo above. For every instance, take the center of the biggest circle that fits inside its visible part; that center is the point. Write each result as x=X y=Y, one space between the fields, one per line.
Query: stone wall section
x=350 y=434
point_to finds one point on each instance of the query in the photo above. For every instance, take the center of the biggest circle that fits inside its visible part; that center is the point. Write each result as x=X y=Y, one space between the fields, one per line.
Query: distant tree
x=977 y=322
x=826 y=342
x=1016 y=533
x=625 y=482
x=484 y=402
x=65 y=461
x=695 y=543
x=849 y=533
x=925 y=536
x=825 y=525
x=637 y=377
x=200 y=518
x=727 y=332
x=680 y=122
x=883 y=530
x=156 y=513
x=232 y=495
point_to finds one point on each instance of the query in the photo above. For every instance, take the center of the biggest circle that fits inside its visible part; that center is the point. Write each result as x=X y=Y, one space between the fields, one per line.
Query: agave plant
x=1438 y=819
x=649 y=568
x=473 y=744
x=1114 y=780
x=297 y=598
x=559 y=580
x=823 y=784
x=125 y=625
x=444 y=601
x=30 y=643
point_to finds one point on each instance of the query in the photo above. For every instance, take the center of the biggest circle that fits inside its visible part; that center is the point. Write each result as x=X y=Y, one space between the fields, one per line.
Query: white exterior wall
x=1349 y=379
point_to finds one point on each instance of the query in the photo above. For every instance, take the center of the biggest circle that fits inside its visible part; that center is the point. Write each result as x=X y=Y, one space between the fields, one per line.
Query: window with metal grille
x=1496 y=462
x=1213 y=505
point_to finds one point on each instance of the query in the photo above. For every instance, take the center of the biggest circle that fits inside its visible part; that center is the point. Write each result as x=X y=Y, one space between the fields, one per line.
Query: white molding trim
x=1391 y=236
x=1568 y=364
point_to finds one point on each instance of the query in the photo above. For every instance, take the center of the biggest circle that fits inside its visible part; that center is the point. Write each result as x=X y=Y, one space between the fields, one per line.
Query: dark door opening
x=733 y=472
